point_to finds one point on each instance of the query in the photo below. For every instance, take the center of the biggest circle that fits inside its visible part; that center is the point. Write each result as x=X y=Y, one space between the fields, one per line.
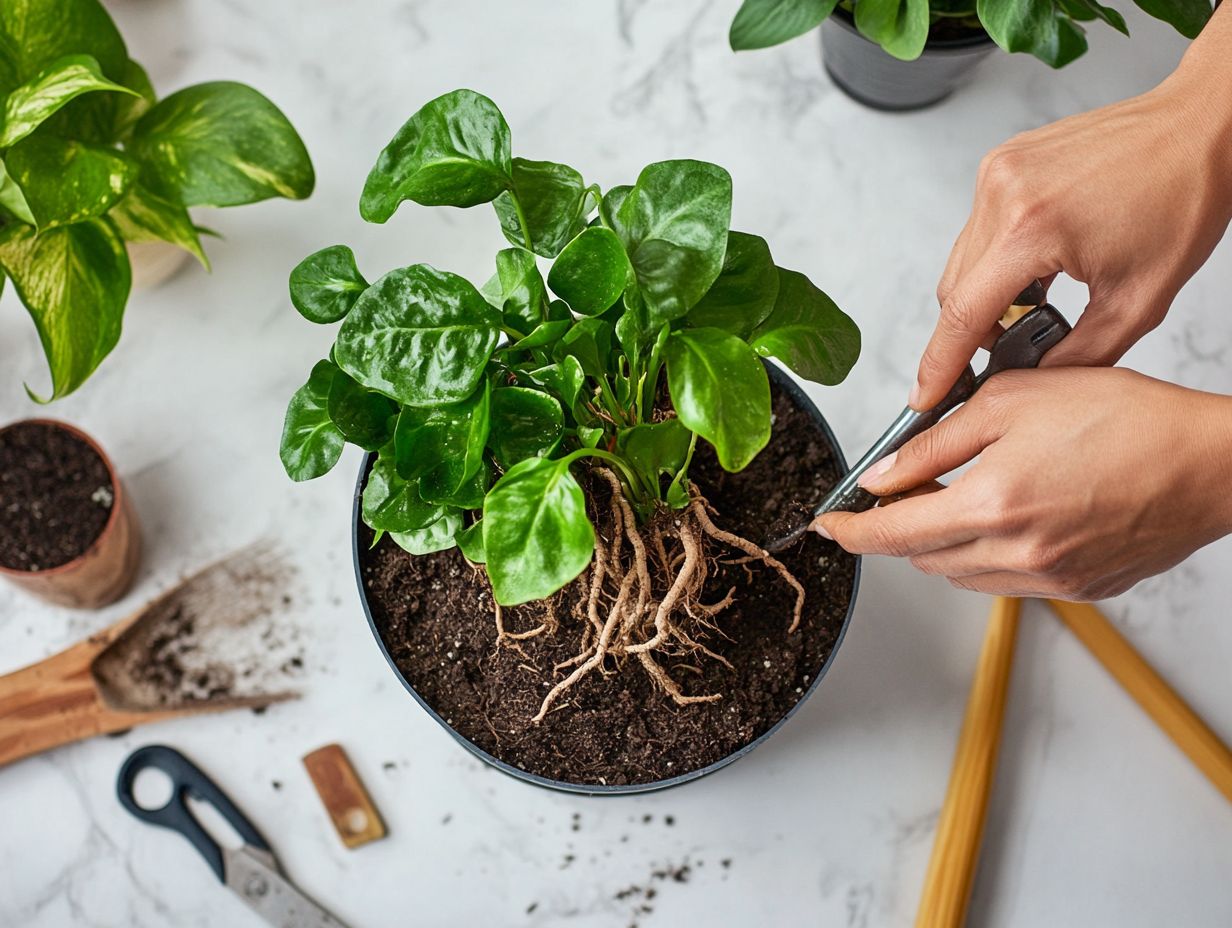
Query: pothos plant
x=1051 y=30
x=90 y=160
x=509 y=419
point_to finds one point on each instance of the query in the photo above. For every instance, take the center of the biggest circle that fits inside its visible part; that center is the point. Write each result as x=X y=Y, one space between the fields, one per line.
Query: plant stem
x=632 y=479
x=517 y=205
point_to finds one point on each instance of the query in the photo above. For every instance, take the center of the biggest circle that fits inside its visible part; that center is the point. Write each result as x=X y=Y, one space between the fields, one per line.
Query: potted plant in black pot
x=97 y=175
x=907 y=54
x=557 y=522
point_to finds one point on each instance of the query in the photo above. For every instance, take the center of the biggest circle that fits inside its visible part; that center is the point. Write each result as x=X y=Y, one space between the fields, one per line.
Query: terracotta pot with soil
x=68 y=533
x=559 y=523
x=434 y=620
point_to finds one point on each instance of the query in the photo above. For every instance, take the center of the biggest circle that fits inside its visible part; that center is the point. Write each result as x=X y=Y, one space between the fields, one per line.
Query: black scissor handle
x=186 y=780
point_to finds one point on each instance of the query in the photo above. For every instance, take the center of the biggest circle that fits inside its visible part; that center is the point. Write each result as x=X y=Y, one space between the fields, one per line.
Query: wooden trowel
x=213 y=642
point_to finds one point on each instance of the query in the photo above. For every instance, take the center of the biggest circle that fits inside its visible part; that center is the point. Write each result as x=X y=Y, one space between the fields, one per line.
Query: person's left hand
x=1088 y=480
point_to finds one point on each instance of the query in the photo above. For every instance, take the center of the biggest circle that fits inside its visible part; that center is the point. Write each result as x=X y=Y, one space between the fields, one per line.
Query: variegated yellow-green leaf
x=144 y=216
x=129 y=109
x=74 y=281
x=221 y=144
x=34 y=33
x=65 y=182
x=11 y=197
x=28 y=105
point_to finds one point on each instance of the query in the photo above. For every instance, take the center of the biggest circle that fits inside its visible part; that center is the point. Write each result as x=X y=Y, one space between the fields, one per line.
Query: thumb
x=950 y=443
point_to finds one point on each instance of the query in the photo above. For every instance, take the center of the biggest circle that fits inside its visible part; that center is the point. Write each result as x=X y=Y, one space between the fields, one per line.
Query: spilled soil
x=435 y=616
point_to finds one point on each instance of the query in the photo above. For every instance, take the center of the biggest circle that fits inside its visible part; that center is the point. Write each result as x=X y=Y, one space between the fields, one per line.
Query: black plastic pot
x=875 y=78
x=798 y=396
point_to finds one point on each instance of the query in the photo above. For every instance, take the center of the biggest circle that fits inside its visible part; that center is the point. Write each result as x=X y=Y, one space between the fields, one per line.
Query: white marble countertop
x=1097 y=819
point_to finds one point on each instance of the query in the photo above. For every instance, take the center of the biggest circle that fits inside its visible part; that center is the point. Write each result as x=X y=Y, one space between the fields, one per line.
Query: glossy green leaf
x=144 y=216
x=311 y=442
x=436 y=487
x=518 y=290
x=900 y=27
x=453 y=152
x=535 y=531
x=439 y=536
x=744 y=292
x=553 y=199
x=656 y=448
x=591 y=272
x=221 y=144
x=35 y=33
x=470 y=542
x=808 y=332
x=674 y=226
x=1185 y=16
x=64 y=181
x=720 y=390
x=74 y=282
x=65 y=79
x=444 y=441
x=392 y=504
x=563 y=379
x=1039 y=27
x=11 y=197
x=326 y=284
x=589 y=435
x=545 y=333
x=762 y=23
x=525 y=423
x=1088 y=10
x=419 y=335
x=590 y=342
x=364 y=417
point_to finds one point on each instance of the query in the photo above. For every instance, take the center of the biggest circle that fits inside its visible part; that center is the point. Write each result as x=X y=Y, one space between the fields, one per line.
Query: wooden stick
x=1152 y=692
x=956 y=848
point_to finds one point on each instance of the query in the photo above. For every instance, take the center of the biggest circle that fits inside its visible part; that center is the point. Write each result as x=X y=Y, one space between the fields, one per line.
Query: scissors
x=250 y=871
x=1022 y=345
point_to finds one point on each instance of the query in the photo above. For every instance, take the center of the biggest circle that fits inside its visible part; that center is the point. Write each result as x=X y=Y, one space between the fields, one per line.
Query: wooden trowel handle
x=57 y=701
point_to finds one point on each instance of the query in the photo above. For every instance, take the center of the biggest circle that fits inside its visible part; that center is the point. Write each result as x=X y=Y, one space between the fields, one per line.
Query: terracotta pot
x=154 y=263
x=105 y=570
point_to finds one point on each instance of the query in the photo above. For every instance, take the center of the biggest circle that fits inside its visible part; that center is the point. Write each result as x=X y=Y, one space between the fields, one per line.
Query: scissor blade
x=253 y=876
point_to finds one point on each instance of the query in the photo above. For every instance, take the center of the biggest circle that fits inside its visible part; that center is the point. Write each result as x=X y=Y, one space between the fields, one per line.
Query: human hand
x=1087 y=482
x=1130 y=199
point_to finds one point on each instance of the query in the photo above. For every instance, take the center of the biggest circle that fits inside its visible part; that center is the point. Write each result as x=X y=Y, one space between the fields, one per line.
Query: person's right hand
x=1130 y=199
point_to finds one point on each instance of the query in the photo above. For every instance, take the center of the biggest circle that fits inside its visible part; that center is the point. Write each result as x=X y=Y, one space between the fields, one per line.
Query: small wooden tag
x=347 y=802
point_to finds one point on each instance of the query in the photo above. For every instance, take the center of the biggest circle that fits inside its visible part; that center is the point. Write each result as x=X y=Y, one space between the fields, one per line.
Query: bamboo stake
x=1160 y=701
x=956 y=848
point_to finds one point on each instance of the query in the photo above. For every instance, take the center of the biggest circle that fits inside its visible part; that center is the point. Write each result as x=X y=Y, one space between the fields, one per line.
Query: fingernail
x=821 y=530
x=880 y=469
x=913 y=398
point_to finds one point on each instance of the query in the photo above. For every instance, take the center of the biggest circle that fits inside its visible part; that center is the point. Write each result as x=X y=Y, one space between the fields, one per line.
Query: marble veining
x=1096 y=820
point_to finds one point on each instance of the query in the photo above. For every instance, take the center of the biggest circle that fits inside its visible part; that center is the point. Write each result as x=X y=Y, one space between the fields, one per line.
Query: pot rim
x=801 y=399
x=117 y=498
x=940 y=46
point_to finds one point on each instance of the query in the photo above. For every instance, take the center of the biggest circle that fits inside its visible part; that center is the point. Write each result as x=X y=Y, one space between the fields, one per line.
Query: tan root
x=623 y=615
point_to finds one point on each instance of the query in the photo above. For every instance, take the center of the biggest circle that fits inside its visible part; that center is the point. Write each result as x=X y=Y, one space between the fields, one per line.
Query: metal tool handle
x=186 y=780
x=1022 y=345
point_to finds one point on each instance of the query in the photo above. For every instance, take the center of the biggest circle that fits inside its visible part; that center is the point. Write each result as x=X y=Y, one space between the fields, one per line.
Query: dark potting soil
x=434 y=614
x=55 y=496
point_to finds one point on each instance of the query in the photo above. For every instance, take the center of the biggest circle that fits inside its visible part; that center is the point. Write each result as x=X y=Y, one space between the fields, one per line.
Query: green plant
x=483 y=404
x=89 y=160
x=1051 y=30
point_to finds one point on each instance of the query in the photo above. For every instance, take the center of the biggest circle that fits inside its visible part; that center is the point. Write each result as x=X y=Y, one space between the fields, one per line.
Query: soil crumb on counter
x=55 y=496
x=435 y=616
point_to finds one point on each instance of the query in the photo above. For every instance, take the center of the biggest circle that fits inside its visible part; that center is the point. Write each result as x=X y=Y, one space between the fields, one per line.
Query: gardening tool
x=1022 y=345
x=960 y=829
x=952 y=867
x=250 y=871
x=97 y=685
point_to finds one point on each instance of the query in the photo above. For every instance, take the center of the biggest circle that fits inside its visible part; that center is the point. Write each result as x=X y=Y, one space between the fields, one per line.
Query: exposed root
x=698 y=508
x=624 y=615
